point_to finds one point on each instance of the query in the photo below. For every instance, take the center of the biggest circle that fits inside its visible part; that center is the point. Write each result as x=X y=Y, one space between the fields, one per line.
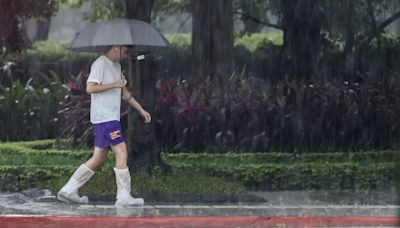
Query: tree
x=13 y=12
x=311 y=27
x=43 y=28
x=253 y=15
x=212 y=38
x=357 y=39
x=301 y=24
x=144 y=150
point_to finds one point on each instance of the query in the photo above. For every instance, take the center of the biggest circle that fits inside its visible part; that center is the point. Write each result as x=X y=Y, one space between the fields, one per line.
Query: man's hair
x=108 y=49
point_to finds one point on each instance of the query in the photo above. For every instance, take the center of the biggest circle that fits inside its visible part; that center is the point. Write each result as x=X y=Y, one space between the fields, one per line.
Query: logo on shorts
x=115 y=134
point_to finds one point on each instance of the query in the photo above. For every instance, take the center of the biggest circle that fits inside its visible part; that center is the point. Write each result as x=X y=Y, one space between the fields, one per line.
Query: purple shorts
x=107 y=133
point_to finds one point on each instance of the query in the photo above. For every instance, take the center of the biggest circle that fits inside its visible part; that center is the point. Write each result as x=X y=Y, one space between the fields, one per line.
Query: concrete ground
x=285 y=204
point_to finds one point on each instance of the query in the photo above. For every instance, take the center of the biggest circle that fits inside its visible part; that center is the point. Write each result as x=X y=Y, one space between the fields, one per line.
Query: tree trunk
x=212 y=38
x=43 y=28
x=349 y=46
x=301 y=23
x=144 y=150
x=139 y=9
x=12 y=37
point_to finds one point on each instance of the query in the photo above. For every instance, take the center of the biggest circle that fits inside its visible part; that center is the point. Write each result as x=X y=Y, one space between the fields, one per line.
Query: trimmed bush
x=48 y=164
x=301 y=176
x=15 y=178
x=279 y=157
x=21 y=167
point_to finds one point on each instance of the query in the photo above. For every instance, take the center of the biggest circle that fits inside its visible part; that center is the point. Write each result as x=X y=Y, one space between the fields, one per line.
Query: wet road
x=286 y=203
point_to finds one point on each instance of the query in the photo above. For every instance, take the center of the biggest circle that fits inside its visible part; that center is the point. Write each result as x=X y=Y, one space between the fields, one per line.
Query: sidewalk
x=287 y=208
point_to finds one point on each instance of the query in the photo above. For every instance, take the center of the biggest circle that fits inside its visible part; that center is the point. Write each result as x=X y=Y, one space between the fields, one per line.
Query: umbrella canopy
x=98 y=36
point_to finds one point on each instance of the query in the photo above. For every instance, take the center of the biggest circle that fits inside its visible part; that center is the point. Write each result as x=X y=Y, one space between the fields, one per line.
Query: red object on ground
x=45 y=221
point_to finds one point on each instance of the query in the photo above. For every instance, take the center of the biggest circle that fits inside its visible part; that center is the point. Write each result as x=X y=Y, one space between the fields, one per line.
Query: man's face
x=121 y=52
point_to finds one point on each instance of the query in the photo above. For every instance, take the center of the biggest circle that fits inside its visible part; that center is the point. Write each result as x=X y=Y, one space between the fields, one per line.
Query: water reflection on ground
x=285 y=203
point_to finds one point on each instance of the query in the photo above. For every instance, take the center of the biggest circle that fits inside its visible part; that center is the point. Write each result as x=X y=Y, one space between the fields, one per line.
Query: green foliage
x=278 y=171
x=15 y=178
x=167 y=8
x=48 y=164
x=254 y=41
x=180 y=181
x=380 y=55
x=53 y=177
x=364 y=14
x=44 y=144
x=233 y=159
x=43 y=58
x=102 y=10
x=179 y=39
x=29 y=112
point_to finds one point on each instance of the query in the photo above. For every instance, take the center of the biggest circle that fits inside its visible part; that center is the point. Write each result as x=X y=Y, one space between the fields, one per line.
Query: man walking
x=105 y=86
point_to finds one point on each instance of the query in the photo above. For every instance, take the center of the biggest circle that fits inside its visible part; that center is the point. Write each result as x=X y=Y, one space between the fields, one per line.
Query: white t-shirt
x=105 y=106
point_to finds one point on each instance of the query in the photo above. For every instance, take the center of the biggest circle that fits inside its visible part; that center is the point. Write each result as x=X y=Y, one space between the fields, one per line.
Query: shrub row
x=12 y=149
x=43 y=144
x=258 y=171
x=301 y=176
x=60 y=147
x=15 y=178
x=278 y=157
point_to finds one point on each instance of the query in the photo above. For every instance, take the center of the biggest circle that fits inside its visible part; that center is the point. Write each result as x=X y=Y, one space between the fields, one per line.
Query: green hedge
x=44 y=144
x=300 y=176
x=15 y=149
x=284 y=171
x=22 y=166
x=49 y=164
x=53 y=177
x=13 y=178
x=278 y=157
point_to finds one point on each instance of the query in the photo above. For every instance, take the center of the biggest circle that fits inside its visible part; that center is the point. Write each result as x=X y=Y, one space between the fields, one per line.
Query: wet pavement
x=285 y=203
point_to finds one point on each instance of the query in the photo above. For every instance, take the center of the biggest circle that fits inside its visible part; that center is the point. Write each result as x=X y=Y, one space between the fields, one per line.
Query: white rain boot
x=69 y=193
x=124 y=198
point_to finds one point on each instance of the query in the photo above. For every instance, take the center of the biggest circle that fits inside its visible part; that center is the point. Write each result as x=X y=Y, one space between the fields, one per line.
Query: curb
x=33 y=221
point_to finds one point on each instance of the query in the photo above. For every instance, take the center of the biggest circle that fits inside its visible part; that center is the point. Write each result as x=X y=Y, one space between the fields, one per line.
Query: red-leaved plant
x=246 y=114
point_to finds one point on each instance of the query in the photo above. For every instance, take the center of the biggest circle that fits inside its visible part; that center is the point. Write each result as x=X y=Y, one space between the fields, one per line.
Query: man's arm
x=127 y=96
x=92 y=87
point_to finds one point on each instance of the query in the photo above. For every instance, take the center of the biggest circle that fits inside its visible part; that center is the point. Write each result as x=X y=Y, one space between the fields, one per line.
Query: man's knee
x=99 y=156
x=102 y=158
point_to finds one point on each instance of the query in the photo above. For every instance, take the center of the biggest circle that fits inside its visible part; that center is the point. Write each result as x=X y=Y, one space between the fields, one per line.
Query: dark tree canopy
x=12 y=12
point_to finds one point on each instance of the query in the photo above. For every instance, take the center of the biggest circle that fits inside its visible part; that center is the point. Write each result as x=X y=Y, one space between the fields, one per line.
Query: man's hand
x=146 y=116
x=120 y=83
x=93 y=87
